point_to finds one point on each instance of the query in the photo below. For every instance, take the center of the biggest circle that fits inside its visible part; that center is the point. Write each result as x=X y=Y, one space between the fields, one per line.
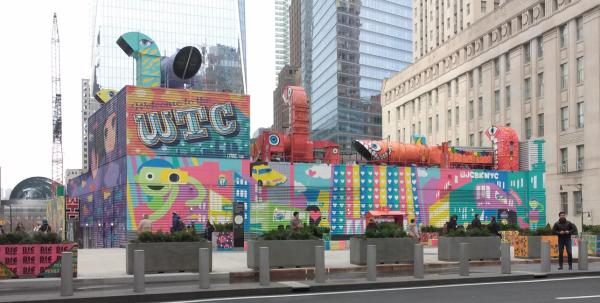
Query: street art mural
x=194 y=188
x=177 y=122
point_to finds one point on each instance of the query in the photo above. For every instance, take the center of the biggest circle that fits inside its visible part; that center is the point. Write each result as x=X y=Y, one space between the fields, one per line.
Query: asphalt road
x=567 y=290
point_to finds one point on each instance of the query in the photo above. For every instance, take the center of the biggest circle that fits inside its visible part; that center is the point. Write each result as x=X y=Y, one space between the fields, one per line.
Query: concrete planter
x=166 y=257
x=283 y=253
x=389 y=250
x=481 y=248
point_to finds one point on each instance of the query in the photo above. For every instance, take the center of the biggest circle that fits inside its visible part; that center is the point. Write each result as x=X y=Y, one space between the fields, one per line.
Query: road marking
x=580 y=297
x=382 y=290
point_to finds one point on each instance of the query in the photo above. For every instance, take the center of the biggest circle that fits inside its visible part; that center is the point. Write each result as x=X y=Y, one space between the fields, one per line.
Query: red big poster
x=34 y=260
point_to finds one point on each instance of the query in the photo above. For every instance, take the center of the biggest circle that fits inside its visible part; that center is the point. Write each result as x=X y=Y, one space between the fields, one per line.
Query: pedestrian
x=1 y=230
x=20 y=227
x=413 y=230
x=476 y=223
x=176 y=223
x=145 y=225
x=208 y=230
x=453 y=224
x=296 y=223
x=45 y=228
x=564 y=229
x=371 y=225
x=493 y=227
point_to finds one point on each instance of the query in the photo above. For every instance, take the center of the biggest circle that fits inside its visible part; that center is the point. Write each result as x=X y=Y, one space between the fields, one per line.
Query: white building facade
x=533 y=65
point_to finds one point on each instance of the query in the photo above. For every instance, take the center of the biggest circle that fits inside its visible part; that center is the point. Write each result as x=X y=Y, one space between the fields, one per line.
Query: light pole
x=589 y=215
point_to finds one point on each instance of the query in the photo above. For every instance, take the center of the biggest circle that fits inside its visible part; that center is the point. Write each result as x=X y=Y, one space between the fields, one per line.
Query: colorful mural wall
x=339 y=196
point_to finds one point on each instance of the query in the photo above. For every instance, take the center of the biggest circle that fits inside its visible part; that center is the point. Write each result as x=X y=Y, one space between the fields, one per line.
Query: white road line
x=382 y=290
x=580 y=297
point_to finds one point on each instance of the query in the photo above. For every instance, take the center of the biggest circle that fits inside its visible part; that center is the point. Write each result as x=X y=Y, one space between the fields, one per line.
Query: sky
x=26 y=100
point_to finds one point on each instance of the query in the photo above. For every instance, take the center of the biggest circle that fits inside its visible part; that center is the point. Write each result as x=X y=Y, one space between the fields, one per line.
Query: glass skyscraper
x=355 y=45
x=216 y=28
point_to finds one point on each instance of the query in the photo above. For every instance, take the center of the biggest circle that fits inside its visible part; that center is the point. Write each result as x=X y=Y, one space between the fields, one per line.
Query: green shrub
x=385 y=230
x=431 y=229
x=509 y=227
x=591 y=229
x=158 y=237
x=543 y=231
x=25 y=238
x=226 y=227
x=306 y=233
x=476 y=232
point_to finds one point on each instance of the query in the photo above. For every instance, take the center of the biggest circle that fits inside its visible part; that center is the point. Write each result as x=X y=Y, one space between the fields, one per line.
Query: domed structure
x=34 y=188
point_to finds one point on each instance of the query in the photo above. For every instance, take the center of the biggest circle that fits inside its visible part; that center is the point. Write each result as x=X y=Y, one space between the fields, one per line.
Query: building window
x=456 y=88
x=564 y=118
x=456 y=116
x=429 y=122
x=496 y=67
x=564 y=203
x=471 y=111
x=540 y=47
x=449 y=118
x=540 y=85
x=480 y=107
x=580 y=113
x=540 y=125
x=507 y=97
x=527 y=128
x=470 y=76
x=483 y=6
x=449 y=90
x=564 y=160
x=472 y=140
x=437 y=122
x=419 y=132
x=397 y=112
x=579 y=22
x=507 y=61
x=564 y=76
x=527 y=89
x=388 y=116
x=579 y=70
x=468 y=8
x=563 y=35
x=527 y=52
x=412 y=129
x=577 y=202
x=480 y=138
x=479 y=76
x=580 y=157
x=497 y=101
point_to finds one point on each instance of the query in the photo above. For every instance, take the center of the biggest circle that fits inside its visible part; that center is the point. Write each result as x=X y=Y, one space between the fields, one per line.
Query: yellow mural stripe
x=439 y=212
x=356 y=189
x=382 y=186
x=323 y=200
x=195 y=162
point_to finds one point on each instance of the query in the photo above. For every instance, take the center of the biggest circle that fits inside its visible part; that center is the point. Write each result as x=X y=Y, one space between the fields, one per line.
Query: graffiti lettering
x=156 y=128
x=479 y=175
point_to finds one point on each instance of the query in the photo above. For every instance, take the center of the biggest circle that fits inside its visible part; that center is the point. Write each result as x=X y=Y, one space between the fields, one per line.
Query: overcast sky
x=26 y=101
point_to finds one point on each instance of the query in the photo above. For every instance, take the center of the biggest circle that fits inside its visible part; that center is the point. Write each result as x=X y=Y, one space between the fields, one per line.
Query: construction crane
x=57 y=152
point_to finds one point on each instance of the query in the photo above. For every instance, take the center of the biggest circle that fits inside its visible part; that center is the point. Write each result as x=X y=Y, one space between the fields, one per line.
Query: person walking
x=413 y=230
x=208 y=230
x=564 y=229
x=493 y=227
x=453 y=224
x=177 y=224
x=296 y=223
x=20 y=227
x=145 y=225
x=1 y=230
x=45 y=228
x=476 y=223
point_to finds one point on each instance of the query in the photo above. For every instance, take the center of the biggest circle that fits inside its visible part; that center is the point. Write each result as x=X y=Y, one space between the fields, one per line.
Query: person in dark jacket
x=208 y=230
x=453 y=224
x=177 y=224
x=476 y=223
x=564 y=229
x=493 y=227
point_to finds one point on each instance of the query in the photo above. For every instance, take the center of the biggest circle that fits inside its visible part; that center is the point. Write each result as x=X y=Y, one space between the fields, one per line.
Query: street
x=570 y=290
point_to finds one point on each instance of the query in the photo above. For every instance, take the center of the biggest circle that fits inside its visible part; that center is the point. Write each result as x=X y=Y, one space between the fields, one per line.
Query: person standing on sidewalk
x=413 y=230
x=145 y=225
x=564 y=229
